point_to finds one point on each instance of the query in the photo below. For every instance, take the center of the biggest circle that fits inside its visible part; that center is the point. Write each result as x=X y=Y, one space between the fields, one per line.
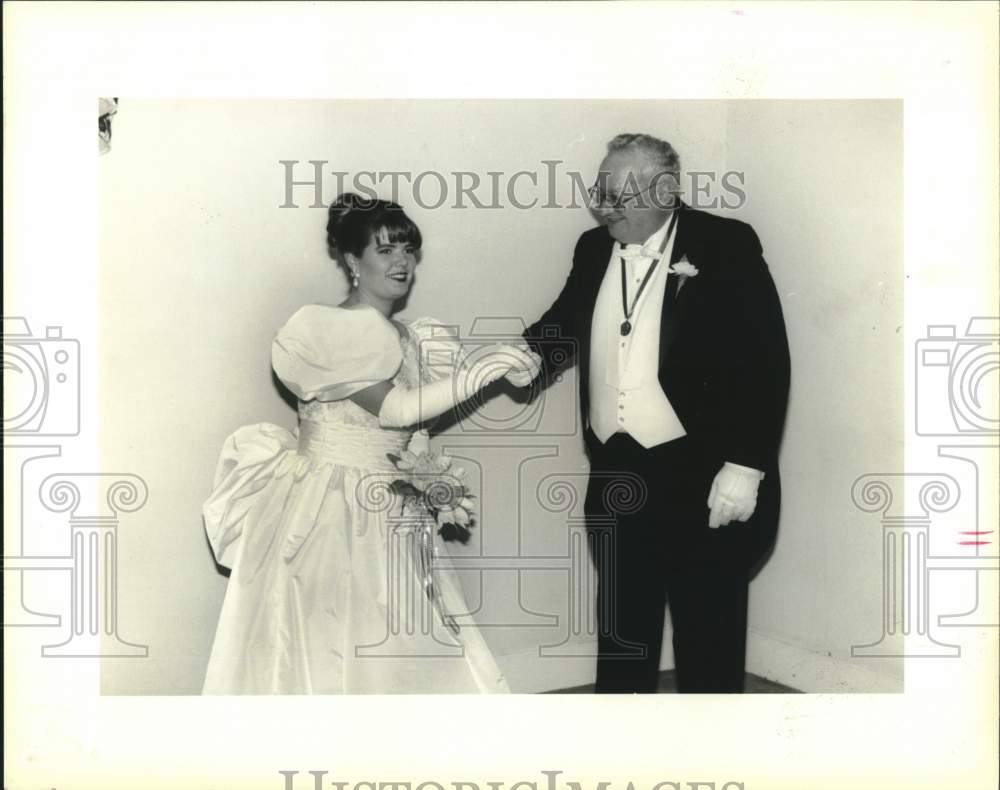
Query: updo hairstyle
x=355 y=221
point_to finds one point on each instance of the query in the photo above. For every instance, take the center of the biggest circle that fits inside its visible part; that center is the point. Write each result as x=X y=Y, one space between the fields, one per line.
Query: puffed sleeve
x=441 y=351
x=335 y=351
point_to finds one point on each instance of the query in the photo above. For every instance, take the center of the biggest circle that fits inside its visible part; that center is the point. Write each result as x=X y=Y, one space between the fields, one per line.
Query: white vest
x=625 y=392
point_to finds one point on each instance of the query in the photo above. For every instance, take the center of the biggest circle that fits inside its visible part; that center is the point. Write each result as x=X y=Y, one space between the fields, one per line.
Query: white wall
x=824 y=191
x=199 y=267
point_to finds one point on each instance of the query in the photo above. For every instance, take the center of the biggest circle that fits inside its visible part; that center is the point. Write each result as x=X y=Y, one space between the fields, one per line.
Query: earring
x=354 y=278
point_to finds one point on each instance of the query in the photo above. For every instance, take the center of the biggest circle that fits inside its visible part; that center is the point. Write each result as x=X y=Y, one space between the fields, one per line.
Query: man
x=684 y=374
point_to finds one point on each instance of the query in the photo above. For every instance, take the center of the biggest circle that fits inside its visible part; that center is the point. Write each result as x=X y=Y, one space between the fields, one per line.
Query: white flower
x=459 y=513
x=440 y=490
x=684 y=268
x=424 y=468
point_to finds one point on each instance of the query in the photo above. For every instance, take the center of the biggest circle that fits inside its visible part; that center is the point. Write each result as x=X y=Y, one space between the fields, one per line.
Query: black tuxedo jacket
x=724 y=360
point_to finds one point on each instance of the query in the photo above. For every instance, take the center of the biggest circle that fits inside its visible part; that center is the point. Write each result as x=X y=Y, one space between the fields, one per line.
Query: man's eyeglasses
x=600 y=199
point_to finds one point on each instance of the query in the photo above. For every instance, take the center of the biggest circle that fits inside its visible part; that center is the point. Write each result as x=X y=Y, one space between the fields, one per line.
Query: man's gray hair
x=660 y=152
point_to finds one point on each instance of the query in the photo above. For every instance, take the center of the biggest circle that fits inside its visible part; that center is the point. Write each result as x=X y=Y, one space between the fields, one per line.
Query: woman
x=326 y=593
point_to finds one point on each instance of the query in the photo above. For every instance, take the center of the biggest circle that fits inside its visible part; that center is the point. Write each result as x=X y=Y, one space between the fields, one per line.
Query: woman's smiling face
x=384 y=268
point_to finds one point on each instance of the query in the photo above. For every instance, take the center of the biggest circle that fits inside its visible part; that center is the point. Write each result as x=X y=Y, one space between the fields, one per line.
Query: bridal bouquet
x=432 y=488
x=433 y=494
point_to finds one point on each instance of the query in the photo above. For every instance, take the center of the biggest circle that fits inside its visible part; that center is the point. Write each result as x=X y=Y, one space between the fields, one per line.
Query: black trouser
x=651 y=545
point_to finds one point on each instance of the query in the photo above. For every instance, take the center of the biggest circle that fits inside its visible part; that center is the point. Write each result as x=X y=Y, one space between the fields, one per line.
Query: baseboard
x=767 y=656
x=818 y=673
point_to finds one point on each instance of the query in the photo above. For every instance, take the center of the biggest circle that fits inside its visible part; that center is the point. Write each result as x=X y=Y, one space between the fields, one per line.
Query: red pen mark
x=973 y=543
x=977 y=532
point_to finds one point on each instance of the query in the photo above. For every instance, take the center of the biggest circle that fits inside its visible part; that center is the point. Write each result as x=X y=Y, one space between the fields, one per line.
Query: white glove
x=420 y=442
x=529 y=370
x=530 y=367
x=404 y=407
x=733 y=496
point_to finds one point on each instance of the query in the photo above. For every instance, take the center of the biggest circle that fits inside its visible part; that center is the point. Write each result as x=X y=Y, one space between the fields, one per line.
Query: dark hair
x=354 y=221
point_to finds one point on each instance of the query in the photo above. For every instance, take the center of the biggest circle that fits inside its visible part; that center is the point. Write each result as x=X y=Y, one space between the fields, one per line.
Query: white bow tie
x=632 y=251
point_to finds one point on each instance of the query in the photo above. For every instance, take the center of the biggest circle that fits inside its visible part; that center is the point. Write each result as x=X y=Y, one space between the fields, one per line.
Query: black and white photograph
x=598 y=314
x=666 y=418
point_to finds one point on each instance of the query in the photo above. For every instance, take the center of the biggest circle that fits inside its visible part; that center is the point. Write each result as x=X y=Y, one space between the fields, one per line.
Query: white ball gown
x=326 y=595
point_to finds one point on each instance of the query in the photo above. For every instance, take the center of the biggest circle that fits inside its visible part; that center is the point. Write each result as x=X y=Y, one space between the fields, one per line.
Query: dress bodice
x=326 y=354
x=347 y=412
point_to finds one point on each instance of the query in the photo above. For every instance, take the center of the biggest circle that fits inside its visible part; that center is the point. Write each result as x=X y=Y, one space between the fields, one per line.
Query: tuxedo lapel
x=601 y=252
x=675 y=301
x=600 y=255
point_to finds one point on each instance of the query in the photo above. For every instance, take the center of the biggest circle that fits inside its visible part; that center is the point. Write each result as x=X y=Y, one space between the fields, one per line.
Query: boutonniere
x=684 y=269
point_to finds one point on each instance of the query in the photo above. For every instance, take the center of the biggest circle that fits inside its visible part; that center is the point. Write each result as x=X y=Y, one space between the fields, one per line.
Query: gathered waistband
x=351 y=445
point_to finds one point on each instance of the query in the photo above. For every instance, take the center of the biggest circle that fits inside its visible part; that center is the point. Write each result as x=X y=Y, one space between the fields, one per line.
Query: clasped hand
x=516 y=363
x=527 y=373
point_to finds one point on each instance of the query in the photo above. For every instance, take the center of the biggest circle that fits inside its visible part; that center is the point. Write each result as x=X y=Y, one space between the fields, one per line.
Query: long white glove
x=530 y=368
x=733 y=496
x=404 y=407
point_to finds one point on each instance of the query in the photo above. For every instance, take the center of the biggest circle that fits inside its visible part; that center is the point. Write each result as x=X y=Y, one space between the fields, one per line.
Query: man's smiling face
x=634 y=196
